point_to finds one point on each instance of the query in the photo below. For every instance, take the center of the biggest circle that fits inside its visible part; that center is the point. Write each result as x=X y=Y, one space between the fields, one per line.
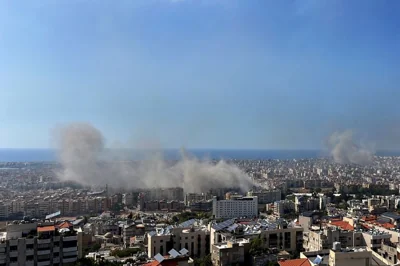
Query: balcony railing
x=13 y=254
x=29 y=263
x=29 y=241
x=69 y=260
x=70 y=238
x=43 y=263
x=70 y=249
x=44 y=241
x=29 y=252
x=56 y=260
x=43 y=252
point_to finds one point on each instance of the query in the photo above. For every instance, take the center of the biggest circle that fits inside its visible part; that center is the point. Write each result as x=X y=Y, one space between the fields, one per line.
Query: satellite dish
x=159 y=257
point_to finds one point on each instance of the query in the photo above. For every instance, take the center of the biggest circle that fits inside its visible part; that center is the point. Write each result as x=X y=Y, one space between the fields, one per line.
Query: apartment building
x=131 y=230
x=235 y=207
x=29 y=244
x=230 y=253
x=194 y=238
x=265 y=197
x=276 y=235
x=317 y=239
x=282 y=207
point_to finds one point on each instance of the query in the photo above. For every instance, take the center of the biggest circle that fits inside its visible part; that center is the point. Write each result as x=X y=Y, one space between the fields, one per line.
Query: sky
x=238 y=74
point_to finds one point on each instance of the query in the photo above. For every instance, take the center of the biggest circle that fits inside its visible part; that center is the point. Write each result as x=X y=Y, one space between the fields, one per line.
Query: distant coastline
x=50 y=155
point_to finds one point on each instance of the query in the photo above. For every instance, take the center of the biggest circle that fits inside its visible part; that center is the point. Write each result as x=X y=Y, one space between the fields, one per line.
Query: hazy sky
x=200 y=73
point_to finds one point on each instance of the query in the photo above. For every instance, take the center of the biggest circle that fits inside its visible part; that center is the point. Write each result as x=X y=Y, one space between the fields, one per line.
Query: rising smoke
x=81 y=150
x=345 y=150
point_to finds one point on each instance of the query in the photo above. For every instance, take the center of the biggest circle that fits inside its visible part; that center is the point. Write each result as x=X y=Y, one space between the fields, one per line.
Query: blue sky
x=200 y=73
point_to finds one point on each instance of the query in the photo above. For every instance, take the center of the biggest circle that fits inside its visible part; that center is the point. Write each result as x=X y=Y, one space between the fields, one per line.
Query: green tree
x=204 y=261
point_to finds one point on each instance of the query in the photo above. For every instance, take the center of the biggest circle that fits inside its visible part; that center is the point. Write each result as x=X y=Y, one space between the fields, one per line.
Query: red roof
x=65 y=225
x=163 y=263
x=343 y=225
x=388 y=226
x=46 y=228
x=296 y=262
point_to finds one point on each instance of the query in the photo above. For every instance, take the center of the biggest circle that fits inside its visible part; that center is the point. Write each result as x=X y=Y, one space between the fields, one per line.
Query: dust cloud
x=81 y=151
x=345 y=150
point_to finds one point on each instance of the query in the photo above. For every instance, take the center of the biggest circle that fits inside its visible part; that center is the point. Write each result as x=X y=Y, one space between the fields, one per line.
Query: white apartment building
x=237 y=207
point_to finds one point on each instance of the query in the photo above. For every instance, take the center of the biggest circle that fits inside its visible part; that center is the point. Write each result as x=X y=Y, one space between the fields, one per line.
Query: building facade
x=237 y=207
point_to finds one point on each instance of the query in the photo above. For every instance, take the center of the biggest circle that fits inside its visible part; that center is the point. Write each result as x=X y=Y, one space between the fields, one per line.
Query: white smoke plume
x=345 y=150
x=81 y=150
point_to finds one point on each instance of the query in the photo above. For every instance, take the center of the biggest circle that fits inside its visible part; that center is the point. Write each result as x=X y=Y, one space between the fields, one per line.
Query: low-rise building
x=230 y=253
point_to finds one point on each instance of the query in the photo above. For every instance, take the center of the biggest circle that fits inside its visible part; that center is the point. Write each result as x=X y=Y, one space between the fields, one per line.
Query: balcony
x=56 y=249
x=13 y=263
x=13 y=254
x=13 y=242
x=70 y=238
x=2 y=250
x=29 y=263
x=56 y=260
x=43 y=252
x=56 y=238
x=43 y=241
x=29 y=241
x=43 y=263
x=70 y=249
x=69 y=260
x=3 y=261
x=3 y=245
x=29 y=252
x=70 y=254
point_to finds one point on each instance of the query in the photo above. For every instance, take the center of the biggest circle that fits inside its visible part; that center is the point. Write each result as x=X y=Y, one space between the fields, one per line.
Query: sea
x=49 y=155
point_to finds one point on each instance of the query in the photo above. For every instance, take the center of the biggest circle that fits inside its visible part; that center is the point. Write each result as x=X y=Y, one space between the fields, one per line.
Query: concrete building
x=127 y=199
x=283 y=207
x=353 y=257
x=29 y=245
x=276 y=235
x=132 y=230
x=237 y=207
x=265 y=197
x=230 y=253
x=194 y=238
x=315 y=240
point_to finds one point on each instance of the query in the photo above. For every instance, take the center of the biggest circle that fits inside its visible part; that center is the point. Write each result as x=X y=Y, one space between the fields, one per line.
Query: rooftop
x=295 y=262
x=46 y=228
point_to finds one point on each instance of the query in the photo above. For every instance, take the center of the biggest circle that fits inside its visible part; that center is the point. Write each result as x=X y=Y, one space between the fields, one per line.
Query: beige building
x=230 y=253
x=275 y=236
x=314 y=240
x=355 y=257
x=195 y=239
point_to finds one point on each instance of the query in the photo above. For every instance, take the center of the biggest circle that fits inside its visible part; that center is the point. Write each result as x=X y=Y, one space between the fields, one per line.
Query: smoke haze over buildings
x=80 y=150
x=345 y=150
